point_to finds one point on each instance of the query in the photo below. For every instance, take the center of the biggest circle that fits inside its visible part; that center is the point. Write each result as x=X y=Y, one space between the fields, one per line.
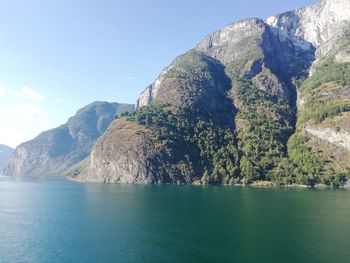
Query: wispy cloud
x=28 y=93
x=2 y=91
x=131 y=78
x=22 y=122
x=135 y=81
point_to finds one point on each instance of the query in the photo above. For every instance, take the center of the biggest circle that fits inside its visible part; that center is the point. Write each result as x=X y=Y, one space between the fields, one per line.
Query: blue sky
x=59 y=55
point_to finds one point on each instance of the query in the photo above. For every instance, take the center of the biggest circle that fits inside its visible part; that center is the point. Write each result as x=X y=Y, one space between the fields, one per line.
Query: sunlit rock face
x=322 y=24
x=5 y=154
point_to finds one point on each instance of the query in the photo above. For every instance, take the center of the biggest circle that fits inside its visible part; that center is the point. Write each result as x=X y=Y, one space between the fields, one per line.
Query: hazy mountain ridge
x=54 y=151
x=5 y=154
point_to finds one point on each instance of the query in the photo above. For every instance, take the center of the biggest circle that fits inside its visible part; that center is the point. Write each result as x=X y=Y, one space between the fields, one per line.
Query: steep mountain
x=322 y=129
x=53 y=152
x=255 y=101
x=5 y=153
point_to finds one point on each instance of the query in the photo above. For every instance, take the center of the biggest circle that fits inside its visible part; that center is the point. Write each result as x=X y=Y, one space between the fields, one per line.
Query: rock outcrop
x=337 y=138
x=321 y=25
x=127 y=157
x=5 y=154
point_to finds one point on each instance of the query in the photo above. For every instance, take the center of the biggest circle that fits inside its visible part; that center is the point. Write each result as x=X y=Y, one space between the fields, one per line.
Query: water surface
x=63 y=221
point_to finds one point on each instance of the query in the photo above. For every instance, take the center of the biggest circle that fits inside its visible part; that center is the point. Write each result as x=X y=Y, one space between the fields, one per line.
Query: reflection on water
x=62 y=221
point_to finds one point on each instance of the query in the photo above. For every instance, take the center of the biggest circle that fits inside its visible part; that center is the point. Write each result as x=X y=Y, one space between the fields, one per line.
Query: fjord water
x=63 y=221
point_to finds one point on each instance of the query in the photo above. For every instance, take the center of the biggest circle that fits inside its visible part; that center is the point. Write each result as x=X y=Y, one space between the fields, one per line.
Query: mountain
x=5 y=153
x=253 y=102
x=53 y=152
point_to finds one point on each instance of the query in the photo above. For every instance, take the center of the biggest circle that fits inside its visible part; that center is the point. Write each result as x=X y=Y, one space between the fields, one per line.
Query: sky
x=59 y=55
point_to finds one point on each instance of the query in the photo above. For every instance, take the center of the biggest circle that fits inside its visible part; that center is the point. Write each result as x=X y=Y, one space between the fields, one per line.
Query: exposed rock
x=5 y=154
x=125 y=157
x=269 y=82
x=322 y=25
x=246 y=48
x=340 y=139
x=128 y=153
x=234 y=41
x=148 y=95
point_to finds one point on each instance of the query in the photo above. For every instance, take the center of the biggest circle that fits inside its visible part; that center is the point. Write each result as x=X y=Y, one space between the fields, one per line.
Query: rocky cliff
x=5 y=154
x=56 y=150
x=248 y=103
x=322 y=25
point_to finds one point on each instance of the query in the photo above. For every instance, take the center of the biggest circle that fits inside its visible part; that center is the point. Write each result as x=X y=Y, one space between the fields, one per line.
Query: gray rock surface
x=124 y=158
x=5 y=154
x=256 y=46
x=322 y=25
x=340 y=139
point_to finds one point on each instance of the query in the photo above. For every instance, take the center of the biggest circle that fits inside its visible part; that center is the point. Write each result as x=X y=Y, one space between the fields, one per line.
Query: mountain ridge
x=54 y=151
x=5 y=153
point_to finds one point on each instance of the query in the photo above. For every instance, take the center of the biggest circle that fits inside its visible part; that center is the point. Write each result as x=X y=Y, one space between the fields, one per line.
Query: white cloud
x=28 y=93
x=131 y=78
x=22 y=122
x=2 y=91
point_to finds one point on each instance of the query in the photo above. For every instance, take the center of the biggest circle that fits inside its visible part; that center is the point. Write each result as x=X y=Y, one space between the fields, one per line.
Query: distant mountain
x=253 y=102
x=5 y=154
x=53 y=152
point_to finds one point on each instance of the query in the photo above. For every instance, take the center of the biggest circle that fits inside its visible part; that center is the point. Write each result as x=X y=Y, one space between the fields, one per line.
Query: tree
x=248 y=170
x=148 y=120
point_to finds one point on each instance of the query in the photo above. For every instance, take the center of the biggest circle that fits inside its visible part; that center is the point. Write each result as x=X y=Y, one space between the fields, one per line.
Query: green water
x=62 y=221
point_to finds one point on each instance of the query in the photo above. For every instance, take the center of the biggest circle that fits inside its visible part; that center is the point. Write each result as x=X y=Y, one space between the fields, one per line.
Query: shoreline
x=257 y=184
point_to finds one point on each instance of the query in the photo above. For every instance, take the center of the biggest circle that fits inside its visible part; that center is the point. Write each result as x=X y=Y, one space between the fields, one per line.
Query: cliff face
x=56 y=150
x=131 y=157
x=324 y=98
x=248 y=103
x=5 y=154
x=247 y=48
x=322 y=25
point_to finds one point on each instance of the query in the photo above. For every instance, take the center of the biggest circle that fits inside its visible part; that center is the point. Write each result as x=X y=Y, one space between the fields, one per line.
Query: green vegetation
x=261 y=148
x=302 y=166
x=264 y=145
x=236 y=67
x=321 y=89
x=318 y=111
x=305 y=167
x=325 y=96
x=211 y=149
x=266 y=128
x=188 y=62
x=326 y=72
